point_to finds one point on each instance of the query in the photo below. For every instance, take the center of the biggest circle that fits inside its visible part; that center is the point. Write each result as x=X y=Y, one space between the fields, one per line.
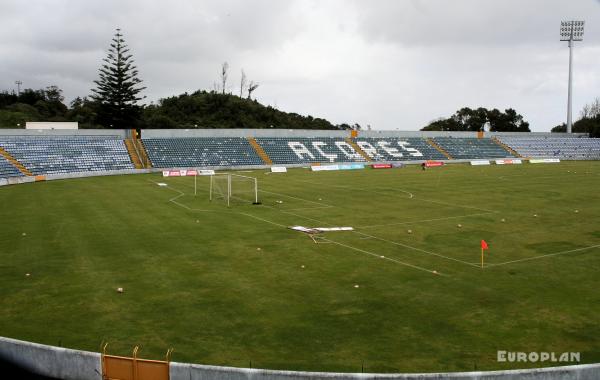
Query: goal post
x=233 y=188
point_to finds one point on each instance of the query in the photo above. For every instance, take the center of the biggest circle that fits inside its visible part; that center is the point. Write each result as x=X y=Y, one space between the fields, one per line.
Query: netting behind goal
x=234 y=189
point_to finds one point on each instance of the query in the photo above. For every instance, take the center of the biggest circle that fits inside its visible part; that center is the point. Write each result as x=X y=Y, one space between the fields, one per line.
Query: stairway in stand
x=439 y=148
x=133 y=154
x=358 y=149
x=506 y=147
x=15 y=162
x=260 y=151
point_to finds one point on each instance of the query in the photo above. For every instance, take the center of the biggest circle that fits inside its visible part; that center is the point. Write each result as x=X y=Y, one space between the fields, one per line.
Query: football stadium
x=299 y=190
x=303 y=253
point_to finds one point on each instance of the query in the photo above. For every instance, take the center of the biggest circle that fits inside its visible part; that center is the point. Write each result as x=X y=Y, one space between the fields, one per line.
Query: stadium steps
x=143 y=153
x=506 y=147
x=358 y=149
x=135 y=158
x=439 y=148
x=15 y=163
x=260 y=151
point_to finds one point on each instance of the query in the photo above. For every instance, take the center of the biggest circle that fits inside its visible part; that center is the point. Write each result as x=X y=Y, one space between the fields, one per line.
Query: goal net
x=234 y=189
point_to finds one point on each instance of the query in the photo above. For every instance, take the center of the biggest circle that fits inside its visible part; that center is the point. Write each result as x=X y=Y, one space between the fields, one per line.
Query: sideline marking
x=547 y=255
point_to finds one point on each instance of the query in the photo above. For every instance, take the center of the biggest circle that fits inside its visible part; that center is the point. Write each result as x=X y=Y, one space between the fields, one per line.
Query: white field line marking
x=325 y=240
x=308 y=208
x=371 y=226
x=424 y=220
x=387 y=241
x=415 y=248
x=384 y=258
x=261 y=219
x=547 y=255
x=410 y=195
x=299 y=199
x=182 y=194
x=403 y=191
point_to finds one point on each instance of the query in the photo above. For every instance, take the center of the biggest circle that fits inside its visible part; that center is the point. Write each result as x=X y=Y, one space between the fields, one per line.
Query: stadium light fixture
x=571 y=31
x=18 y=83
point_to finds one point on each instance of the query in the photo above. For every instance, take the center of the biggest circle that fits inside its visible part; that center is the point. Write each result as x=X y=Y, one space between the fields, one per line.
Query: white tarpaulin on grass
x=316 y=230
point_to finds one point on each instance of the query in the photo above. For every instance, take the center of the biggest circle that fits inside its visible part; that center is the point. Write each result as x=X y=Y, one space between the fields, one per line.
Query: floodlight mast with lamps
x=571 y=31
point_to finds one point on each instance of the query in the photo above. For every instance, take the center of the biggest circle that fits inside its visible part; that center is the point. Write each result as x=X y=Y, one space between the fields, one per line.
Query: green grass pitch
x=234 y=286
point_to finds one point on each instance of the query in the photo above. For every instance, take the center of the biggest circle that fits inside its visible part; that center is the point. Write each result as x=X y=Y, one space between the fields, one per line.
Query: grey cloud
x=388 y=63
x=470 y=22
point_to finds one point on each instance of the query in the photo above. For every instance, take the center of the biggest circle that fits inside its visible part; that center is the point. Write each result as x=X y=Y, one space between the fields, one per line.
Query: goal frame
x=229 y=192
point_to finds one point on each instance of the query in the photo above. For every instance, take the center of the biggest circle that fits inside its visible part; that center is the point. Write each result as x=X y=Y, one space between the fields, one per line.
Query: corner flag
x=484 y=245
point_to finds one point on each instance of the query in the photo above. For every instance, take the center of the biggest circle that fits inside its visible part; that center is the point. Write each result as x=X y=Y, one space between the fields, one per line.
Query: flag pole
x=481 y=257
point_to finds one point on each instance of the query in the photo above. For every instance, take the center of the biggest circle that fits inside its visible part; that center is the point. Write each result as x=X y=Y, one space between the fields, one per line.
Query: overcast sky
x=394 y=64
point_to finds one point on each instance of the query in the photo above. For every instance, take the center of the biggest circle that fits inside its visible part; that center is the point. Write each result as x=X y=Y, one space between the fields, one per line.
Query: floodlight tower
x=18 y=83
x=571 y=31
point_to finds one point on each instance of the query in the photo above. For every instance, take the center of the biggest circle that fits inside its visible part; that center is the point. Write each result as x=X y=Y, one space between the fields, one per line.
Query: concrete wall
x=121 y=133
x=55 y=362
x=166 y=133
x=63 y=363
x=180 y=371
x=169 y=133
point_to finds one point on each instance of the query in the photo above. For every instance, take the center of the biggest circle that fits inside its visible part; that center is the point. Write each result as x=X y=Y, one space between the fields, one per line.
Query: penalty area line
x=415 y=248
x=425 y=220
x=384 y=257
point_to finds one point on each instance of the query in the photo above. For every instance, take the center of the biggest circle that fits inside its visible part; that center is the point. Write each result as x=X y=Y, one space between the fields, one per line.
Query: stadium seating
x=200 y=151
x=301 y=150
x=471 y=148
x=7 y=169
x=65 y=154
x=398 y=149
x=570 y=148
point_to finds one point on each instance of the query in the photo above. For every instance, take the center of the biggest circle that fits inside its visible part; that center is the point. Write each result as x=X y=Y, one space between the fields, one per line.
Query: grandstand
x=566 y=148
x=472 y=148
x=398 y=149
x=288 y=151
x=186 y=152
x=98 y=151
x=67 y=154
x=7 y=169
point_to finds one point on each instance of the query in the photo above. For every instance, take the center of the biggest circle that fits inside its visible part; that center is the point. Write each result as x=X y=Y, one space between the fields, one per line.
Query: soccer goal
x=234 y=189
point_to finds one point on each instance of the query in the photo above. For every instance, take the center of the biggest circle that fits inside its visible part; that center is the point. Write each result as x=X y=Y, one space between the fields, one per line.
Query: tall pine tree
x=117 y=90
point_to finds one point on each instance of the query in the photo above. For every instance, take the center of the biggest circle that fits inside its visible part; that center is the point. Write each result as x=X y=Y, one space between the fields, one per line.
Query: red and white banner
x=508 y=162
x=188 y=173
x=171 y=173
x=433 y=163
x=381 y=166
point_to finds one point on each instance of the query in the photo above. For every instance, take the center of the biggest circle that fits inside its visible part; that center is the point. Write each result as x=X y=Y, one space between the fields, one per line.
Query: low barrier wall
x=64 y=363
x=180 y=371
x=55 y=362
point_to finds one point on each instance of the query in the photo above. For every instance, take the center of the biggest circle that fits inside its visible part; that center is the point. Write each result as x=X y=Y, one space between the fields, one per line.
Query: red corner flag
x=484 y=245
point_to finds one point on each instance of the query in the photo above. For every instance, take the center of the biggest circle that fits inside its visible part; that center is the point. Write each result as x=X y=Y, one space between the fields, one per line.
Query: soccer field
x=403 y=292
